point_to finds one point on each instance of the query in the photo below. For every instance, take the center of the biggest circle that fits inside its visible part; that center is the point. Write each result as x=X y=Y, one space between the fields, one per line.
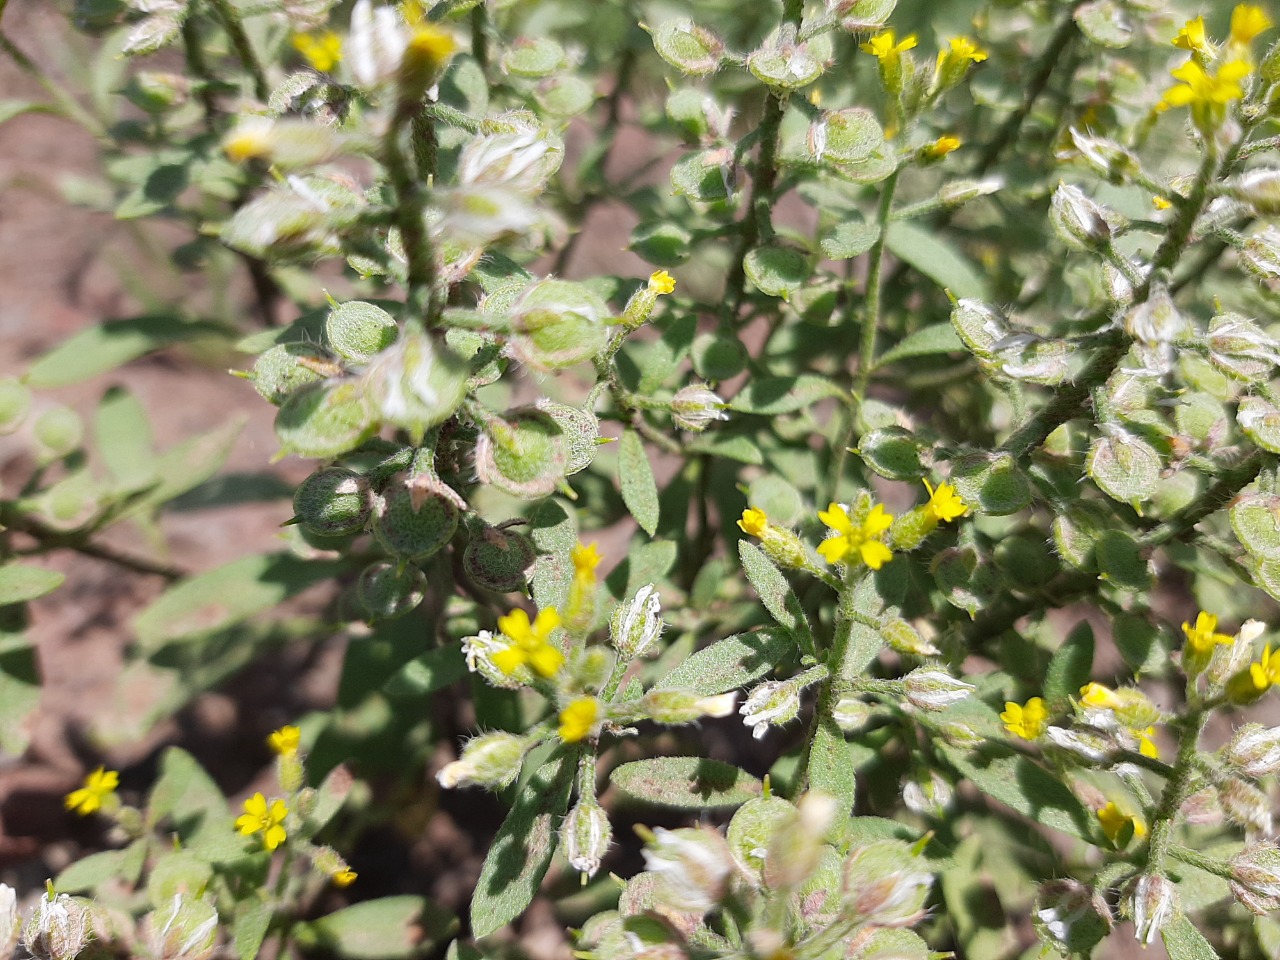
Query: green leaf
x=330 y=797
x=771 y=395
x=16 y=108
x=777 y=271
x=935 y=258
x=691 y=783
x=249 y=926
x=833 y=762
x=390 y=928
x=852 y=238
x=1184 y=942
x=186 y=465
x=730 y=663
x=739 y=448
x=648 y=563
x=19 y=682
x=521 y=852
x=188 y=795
x=1070 y=668
x=88 y=872
x=926 y=342
x=20 y=582
x=108 y=345
x=1020 y=783
x=427 y=673
x=554 y=534
x=124 y=439
x=639 y=491
x=227 y=595
x=773 y=589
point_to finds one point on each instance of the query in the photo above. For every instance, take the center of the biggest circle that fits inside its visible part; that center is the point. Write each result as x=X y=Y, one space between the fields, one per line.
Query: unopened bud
x=586 y=835
x=634 y=628
x=695 y=407
x=771 y=703
x=491 y=760
x=1258 y=188
x=928 y=688
x=1106 y=157
x=958 y=192
x=1079 y=220
x=1245 y=804
x=1255 y=877
x=1087 y=746
x=961 y=735
x=927 y=792
x=693 y=868
x=1261 y=254
x=1240 y=349
x=1070 y=917
x=58 y=928
x=681 y=706
x=1254 y=751
x=851 y=714
x=1156 y=321
x=980 y=326
x=1153 y=902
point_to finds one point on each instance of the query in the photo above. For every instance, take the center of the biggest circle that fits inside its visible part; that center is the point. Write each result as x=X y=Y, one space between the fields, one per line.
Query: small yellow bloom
x=754 y=522
x=944 y=503
x=266 y=819
x=941 y=147
x=249 y=141
x=661 y=282
x=1247 y=21
x=863 y=540
x=412 y=12
x=1198 y=88
x=344 y=877
x=321 y=50
x=1265 y=673
x=1147 y=744
x=1160 y=203
x=1114 y=820
x=1201 y=638
x=430 y=46
x=962 y=48
x=1096 y=695
x=98 y=786
x=1025 y=720
x=585 y=561
x=882 y=47
x=578 y=719
x=285 y=741
x=1192 y=37
x=529 y=644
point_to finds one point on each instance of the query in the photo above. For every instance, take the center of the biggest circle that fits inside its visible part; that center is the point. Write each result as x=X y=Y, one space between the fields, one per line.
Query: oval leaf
x=691 y=783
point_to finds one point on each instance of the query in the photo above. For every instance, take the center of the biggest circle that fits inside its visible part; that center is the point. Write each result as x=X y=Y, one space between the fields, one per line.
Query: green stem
x=875 y=287
x=1175 y=789
x=230 y=19
x=423 y=302
x=67 y=104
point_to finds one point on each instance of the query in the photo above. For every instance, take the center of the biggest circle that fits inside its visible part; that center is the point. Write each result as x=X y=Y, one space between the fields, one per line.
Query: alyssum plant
x=954 y=325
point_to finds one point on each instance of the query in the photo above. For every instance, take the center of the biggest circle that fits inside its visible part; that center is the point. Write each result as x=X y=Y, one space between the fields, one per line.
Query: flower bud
x=796 y=847
x=927 y=793
x=693 y=868
x=928 y=688
x=426 y=52
x=10 y=920
x=499 y=559
x=523 y=160
x=680 y=706
x=695 y=407
x=1258 y=188
x=185 y=929
x=958 y=192
x=155 y=92
x=1240 y=349
x=417 y=382
x=1070 y=917
x=479 y=651
x=980 y=326
x=961 y=735
x=1079 y=220
x=771 y=703
x=1107 y=158
x=636 y=627
x=1087 y=746
x=286 y=143
x=1153 y=901
x=585 y=835
x=1255 y=877
x=1156 y=321
x=390 y=590
x=1245 y=804
x=903 y=638
x=851 y=714
x=15 y=401
x=491 y=760
x=1261 y=255
x=58 y=928
x=884 y=884
x=333 y=502
x=1254 y=751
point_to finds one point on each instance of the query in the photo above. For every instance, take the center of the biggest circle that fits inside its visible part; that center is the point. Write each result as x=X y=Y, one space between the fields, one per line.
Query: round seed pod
x=559 y=324
x=59 y=431
x=499 y=560
x=358 y=330
x=524 y=454
x=413 y=532
x=286 y=368
x=333 y=502
x=388 y=590
x=581 y=432
x=325 y=420
x=15 y=401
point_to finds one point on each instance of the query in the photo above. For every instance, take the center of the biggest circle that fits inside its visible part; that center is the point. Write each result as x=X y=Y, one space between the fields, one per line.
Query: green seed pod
x=784 y=65
x=417 y=382
x=846 y=136
x=862 y=16
x=691 y=49
x=499 y=560
x=1259 y=418
x=333 y=502
x=288 y=367
x=524 y=455
x=581 y=432
x=414 y=530
x=980 y=326
x=59 y=432
x=752 y=829
x=325 y=420
x=156 y=92
x=358 y=330
x=1255 y=518
x=558 y=324
x=388 y=591
x=15 y=401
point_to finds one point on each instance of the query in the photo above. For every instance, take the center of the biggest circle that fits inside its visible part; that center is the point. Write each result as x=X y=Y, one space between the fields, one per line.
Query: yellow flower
x=249 y=141
x=1096 y=695
x=529 y=643
x=754 y=522
x=1192 y=37
x=882 y=47
x=1266 y=672
x=862 y=540
x=344 y=877
x=98 y=786
x=430 y=47
x=1160 y=203
x=1025 y=720
x=661 y=282
x=1147 y=744
x=1198 y=88
x=1114 y=820
x=962 y=48
x=585 y=561
x=578 y=719
x=321 y=50
x=941 y=147
x=1247 y=21
x=944 y=503
x=1201 y=638
x=259 y=817
x=285 y=741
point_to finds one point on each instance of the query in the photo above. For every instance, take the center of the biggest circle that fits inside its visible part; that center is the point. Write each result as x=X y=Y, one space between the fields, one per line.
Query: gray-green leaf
x=691 y=783
x=639 y=491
